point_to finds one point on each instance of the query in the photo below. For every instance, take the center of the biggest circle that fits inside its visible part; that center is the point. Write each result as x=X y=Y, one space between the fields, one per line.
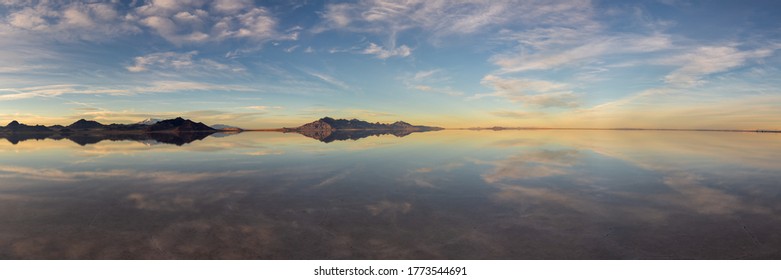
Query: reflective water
x=441 y=195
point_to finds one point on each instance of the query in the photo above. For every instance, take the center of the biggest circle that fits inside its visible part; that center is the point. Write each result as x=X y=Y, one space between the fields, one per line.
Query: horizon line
x=761 y=130
x=570 y=128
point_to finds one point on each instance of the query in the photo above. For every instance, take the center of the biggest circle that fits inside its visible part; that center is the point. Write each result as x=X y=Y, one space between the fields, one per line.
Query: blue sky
x=671 y=64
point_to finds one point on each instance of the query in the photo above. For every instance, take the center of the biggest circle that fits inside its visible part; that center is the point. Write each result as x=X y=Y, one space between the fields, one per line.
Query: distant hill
x=83 y=124
x=16 y=127
x=178 y=124
x=226 y=127
x=328 y=129
x=330 y=124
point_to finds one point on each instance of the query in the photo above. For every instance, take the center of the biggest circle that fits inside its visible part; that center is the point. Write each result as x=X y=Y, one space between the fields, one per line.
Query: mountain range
x=86 y=126
x=180 y=131
x=176 y=131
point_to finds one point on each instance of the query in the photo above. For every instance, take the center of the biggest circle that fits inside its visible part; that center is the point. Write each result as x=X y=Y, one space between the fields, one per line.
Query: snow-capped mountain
x=149 y=121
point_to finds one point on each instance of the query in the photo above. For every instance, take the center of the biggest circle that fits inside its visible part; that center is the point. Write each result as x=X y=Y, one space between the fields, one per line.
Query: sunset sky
x=264 y=64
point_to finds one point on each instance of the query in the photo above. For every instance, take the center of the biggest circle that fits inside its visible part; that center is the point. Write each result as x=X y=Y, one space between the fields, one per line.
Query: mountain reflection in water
x=433 y=195
x=176 y=138
x=341 y=135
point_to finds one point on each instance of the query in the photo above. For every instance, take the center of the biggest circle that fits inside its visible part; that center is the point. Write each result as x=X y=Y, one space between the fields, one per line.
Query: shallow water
x=540 y=194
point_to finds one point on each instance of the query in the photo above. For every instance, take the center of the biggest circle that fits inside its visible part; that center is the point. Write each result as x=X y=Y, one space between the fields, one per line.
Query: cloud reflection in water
x=445 y=195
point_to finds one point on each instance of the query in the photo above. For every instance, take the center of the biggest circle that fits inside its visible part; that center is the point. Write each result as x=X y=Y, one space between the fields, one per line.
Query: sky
x=470 y=63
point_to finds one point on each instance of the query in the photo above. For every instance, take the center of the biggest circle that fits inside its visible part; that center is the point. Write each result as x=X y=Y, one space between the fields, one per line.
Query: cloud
x=330 y=80
x=178 y=22
x=439 y=19
x=368 y=113
x=263 y=107
x=536 y=164
x=516 y=114
x=434 y=80
x=230 y=6
x=265 y=153
x=179 y=61
x=151 y=87
x=333 y=179
x=54 y=90
x=194 y=22
x=535 y=92
x=383 y=53
x=162 y=177
x=176 y=86
x=683 y=108
x=425 y=75
x=595 y=47
x=707 y=60
x=132 y=116
x=338 y=15
x=260 y=108
x=445 y=18
x=443 y=90
x=67 y=21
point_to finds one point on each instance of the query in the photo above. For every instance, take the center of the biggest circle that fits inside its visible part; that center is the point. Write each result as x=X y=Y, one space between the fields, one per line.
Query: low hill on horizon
x=226 y=127
x=328 y=129
x=331 y=124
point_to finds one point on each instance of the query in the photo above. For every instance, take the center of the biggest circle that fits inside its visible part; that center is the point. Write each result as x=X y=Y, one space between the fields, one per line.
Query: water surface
x=540 y=194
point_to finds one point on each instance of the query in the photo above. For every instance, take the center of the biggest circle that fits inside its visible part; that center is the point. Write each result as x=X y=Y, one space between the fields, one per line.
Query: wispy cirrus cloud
x=702 y=61
x=132 y=115
x=263 y=107
x=517 y=114
x=593 y=48
x=529 y=91
x=441 y=18
x=434 y=81
x=77 y=89
x=50 y=174
x=383 y=53
x=329 y=80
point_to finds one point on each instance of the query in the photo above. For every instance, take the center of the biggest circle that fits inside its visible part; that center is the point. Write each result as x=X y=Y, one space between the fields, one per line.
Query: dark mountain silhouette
x=16 y=127
x=83 y=124
x=179 y=124
x=177 y=131
x=328 y=129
